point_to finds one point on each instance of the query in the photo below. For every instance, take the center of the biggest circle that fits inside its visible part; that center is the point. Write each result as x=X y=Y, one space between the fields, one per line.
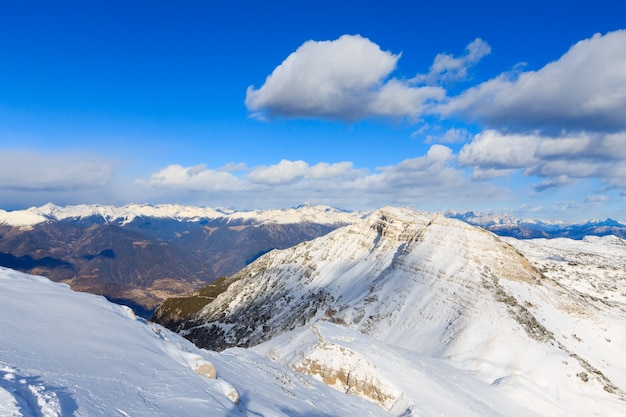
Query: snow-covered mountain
x=126 y=214
x=427 y=315
x=70 y=354
x=140 y=254
x=506 y=225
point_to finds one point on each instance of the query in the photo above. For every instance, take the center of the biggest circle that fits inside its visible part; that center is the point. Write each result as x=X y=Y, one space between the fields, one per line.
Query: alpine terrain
x=426 y=315
x=64 y=353
x=505 y=225
x=139 y=255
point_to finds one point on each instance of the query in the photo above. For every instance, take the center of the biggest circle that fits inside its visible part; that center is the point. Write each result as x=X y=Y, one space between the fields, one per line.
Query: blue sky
x=246 y=104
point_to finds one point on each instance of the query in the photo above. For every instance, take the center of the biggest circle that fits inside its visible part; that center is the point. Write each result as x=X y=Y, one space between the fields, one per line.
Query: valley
x=140 y=255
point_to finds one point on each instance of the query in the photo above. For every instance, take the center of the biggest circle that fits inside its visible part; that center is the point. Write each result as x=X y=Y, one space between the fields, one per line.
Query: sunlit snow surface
x=72 y=354
x=436 y=337
x=429 y=316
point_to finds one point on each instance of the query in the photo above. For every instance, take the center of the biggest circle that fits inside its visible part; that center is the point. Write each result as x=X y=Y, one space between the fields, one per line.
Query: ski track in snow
x=26 y=396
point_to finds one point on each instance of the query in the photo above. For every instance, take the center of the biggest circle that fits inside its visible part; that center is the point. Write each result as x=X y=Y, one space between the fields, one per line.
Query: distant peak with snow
x=127 y=213
x=507 y=225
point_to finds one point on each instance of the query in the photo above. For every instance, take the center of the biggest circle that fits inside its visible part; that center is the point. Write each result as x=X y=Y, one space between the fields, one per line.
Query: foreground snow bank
x=72 y=354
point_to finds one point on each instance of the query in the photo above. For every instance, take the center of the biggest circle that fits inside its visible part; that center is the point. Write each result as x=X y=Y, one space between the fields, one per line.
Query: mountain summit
x=430 y=297
x=380 y=276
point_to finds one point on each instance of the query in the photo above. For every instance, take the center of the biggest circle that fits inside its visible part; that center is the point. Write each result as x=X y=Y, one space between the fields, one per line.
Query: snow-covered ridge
x=480 y=323
x=493 y=219
x=507 y=225
x=127 y=213
x=73 y=354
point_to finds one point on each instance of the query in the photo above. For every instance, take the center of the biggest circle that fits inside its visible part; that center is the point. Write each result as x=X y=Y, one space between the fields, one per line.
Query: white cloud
x=454 y=135
x=194 y=178
x=325 y=170
x=232 y=166
x=285 y=172
x=350 y=79
x=289 y=172
x=613 y=146
x=397 y=99
x=583 y=90
x=29 y=178
x=559 y=160
x=553 y=182
x=426 y=181
x=492 y=150
x=342 y=79
x=598 y=198
x=447 y=68
x=39 y=172
x=428 y=172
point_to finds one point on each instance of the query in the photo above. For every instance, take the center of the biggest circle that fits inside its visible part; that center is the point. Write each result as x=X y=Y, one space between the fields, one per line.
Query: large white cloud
x=583 y=90
x=559 y=160
x=344 y=79
x=349 y=79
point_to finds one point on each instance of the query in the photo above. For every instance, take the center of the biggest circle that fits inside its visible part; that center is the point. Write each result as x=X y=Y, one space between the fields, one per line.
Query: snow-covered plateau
x=411 y=313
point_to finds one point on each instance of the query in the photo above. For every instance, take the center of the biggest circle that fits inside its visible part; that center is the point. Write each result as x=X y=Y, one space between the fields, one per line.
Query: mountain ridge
x=436 y=287
x=127 y=213
x=64 y=353
x=506 y=225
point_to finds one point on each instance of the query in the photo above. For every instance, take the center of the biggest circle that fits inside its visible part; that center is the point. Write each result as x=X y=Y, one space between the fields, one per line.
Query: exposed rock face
x=346 y=370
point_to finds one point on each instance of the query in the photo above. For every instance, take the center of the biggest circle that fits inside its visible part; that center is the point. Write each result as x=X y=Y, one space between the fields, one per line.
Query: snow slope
x=595 y=266
x=73 y=354
x=126 y=214
x=426 y=315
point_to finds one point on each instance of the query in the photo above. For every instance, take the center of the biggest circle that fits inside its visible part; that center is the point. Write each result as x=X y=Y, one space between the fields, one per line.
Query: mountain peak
x=365 y=273
x=424 y=286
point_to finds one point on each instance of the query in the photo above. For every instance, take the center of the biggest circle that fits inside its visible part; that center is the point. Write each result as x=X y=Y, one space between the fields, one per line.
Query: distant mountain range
x=505 y=225
x=139 y=255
